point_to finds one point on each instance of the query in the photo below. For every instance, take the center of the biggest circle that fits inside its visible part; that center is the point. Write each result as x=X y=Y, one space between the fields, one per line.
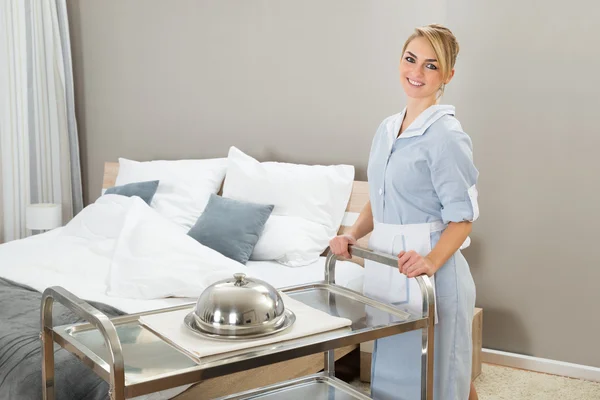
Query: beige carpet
x=501 y=383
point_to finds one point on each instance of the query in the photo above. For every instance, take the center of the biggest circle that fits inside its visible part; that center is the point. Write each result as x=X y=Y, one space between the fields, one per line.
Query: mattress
x=88 y=281
x=120 y=252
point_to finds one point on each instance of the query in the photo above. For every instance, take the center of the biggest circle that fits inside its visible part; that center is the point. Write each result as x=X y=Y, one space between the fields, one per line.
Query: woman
x=423 y=200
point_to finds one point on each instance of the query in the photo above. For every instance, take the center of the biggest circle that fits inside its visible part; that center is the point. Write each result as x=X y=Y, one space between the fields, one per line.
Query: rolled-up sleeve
x=454 y=178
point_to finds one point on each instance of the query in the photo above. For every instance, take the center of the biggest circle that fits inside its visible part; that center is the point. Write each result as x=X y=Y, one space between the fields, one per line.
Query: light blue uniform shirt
x=427 y=174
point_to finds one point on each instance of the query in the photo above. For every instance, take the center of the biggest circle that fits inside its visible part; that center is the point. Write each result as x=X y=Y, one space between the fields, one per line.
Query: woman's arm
x=454 y=178
x=450 y=241
x=364 y=222
x=413 y=264
x=363 y=225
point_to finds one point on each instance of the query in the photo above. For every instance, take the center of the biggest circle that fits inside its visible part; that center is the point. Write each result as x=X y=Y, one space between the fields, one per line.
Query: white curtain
x=38 y=132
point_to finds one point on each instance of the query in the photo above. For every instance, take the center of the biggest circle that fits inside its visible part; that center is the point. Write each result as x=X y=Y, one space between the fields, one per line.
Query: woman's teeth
x=415 y=83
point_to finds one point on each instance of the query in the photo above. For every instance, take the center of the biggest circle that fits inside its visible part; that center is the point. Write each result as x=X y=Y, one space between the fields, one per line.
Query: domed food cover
x=238 y=308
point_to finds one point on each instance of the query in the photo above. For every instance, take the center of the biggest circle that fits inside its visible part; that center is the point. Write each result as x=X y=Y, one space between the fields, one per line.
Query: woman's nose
x=418 y=72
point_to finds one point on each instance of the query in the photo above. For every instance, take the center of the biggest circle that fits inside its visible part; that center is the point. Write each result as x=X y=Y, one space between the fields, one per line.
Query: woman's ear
x=450 y=77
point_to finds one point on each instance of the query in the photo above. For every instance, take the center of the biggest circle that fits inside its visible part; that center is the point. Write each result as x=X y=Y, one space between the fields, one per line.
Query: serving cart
x=136 y=361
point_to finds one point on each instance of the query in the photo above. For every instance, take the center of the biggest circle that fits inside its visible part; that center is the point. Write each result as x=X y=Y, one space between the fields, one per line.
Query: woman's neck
x=414 y=108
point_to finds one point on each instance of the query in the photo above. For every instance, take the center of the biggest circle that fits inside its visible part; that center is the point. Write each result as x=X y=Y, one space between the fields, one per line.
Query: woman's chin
x=417 y=92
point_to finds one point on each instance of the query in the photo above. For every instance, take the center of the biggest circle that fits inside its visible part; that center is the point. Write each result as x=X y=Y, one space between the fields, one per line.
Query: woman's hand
x=412 y=264
x=339 y=245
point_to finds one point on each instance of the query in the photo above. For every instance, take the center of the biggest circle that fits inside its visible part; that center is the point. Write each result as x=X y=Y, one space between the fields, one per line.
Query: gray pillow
x=144 y=190
x=231 y=227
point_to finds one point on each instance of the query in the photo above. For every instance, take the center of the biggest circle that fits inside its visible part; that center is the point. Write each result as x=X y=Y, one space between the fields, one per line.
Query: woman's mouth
x=415 y=83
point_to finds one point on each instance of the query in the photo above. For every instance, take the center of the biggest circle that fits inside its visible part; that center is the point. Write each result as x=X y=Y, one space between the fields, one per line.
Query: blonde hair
x=444 y=45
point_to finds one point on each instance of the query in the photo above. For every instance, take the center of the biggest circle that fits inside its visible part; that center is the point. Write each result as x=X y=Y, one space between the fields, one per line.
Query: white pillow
x=184 y=188
x=309 y=200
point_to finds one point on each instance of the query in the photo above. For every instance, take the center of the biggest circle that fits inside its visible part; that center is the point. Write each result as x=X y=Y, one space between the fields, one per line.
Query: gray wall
x=309 y=81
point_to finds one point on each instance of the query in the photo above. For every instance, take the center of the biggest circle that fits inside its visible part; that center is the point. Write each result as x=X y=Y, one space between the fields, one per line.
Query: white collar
x=420 y=124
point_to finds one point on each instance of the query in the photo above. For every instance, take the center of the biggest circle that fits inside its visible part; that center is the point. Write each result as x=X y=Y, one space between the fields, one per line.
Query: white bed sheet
x=89 y=281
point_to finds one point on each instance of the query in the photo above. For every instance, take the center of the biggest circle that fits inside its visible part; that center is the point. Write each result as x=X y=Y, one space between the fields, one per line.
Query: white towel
x=309 y=321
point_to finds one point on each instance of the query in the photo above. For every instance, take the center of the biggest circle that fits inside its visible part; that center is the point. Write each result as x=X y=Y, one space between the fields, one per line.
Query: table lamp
x=43 y=216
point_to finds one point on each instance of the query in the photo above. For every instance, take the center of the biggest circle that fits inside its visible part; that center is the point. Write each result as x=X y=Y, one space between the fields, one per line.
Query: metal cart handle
x=386 y=259
x=426 y=287
x=99 y=320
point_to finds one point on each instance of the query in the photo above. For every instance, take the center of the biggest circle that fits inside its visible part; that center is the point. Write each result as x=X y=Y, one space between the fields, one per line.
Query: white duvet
x=119 y=248
x=121 y=252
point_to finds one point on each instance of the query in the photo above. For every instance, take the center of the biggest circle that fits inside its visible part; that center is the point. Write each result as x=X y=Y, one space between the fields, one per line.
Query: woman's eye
x=410 y=59
x=431 y=66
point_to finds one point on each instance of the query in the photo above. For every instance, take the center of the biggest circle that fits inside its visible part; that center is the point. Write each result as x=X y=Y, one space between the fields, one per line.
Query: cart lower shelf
x=318 y=386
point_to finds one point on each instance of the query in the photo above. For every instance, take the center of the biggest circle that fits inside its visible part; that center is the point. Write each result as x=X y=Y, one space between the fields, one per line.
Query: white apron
x=387 y=284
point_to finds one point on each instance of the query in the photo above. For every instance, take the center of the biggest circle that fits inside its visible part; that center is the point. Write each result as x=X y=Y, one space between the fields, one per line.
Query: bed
x=77 y=264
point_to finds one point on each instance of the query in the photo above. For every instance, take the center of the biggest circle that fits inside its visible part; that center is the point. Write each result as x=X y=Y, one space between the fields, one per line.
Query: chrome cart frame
x=111 y=347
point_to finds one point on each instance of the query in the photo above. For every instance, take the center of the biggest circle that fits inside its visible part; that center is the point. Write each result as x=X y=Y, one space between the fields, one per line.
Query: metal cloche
x=241 y=307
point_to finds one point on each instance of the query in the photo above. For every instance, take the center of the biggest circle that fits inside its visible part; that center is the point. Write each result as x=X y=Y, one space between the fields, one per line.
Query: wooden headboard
x=111 y=169
x=358 y=198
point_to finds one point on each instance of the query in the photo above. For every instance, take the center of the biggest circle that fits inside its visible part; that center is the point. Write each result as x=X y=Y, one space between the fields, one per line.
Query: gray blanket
x=21 y=352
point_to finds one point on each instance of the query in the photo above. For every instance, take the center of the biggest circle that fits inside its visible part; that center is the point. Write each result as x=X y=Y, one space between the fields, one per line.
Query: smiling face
x=421 y=72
